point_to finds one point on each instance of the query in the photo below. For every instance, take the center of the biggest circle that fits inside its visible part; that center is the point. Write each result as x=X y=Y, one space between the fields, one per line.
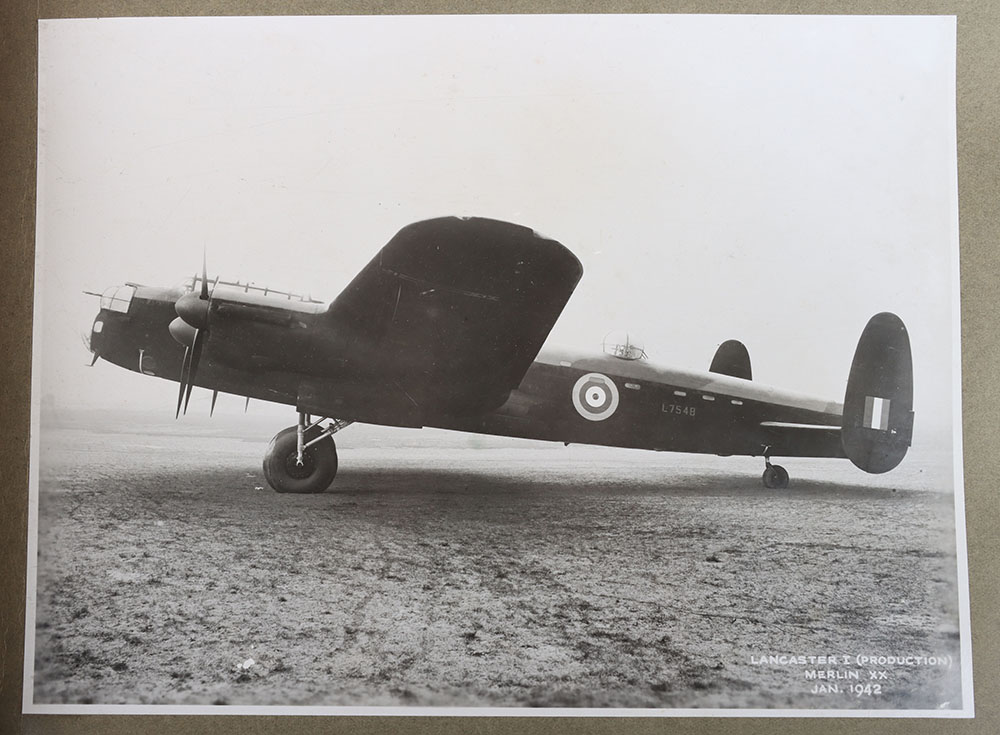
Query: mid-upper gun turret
x=624 y=346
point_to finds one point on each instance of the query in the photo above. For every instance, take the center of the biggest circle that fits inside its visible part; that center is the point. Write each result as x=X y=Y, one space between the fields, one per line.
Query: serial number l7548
x=675 y=408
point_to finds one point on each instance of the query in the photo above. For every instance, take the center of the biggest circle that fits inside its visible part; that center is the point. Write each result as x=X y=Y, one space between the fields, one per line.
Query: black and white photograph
x=497 y=365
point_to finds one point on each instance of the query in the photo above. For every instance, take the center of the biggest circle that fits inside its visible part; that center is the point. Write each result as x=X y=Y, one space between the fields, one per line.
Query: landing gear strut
x=303 y=458
x=775 y=476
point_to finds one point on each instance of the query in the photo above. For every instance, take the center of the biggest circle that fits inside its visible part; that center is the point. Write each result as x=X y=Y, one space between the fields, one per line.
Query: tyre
x=285 y=475
x=775 y=477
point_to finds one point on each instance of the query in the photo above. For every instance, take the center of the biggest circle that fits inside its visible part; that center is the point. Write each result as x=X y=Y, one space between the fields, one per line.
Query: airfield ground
x=444 y=569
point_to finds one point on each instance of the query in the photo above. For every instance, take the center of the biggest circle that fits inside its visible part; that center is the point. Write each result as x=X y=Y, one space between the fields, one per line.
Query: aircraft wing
x=445 y=319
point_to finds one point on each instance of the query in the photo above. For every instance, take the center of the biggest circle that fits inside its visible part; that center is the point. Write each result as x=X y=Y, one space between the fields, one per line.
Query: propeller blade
x=246 y=405
x=215 y=394
x=204 y=274
x=184 y=369
x=196 y=348
x=187 y=397
x=93 y=361
x=189 y=329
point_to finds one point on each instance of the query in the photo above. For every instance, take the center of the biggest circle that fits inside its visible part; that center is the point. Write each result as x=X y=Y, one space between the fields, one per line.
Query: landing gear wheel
x=286 y=475
x=775 y=477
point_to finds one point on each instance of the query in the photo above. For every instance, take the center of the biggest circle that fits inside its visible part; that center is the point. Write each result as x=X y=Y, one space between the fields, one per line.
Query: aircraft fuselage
x=286 y=352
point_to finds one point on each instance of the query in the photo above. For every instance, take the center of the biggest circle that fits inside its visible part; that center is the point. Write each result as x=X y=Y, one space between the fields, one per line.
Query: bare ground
x=467 y=571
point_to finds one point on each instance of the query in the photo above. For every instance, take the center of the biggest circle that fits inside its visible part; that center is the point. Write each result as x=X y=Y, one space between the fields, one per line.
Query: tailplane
x=877 y=424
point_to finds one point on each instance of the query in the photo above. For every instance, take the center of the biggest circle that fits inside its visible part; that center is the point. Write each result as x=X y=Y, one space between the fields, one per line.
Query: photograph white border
x=29 y=707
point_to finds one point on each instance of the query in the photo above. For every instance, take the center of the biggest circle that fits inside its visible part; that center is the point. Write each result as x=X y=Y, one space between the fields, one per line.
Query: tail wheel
x=286 y=475
x=775 y=477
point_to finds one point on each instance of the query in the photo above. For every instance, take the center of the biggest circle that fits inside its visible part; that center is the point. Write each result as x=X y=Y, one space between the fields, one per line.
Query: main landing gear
x=775 y=476
x=303 y=458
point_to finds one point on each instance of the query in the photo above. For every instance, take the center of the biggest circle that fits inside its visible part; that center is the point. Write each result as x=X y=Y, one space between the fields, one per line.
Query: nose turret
x=115 y=304
x=132 y=328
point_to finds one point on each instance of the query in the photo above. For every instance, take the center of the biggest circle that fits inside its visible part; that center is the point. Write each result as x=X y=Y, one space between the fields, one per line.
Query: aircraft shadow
x=369 y=482
x=443 y=480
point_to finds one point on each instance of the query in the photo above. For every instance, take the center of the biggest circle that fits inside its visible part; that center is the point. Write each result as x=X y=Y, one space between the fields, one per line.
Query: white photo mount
x=775 y=179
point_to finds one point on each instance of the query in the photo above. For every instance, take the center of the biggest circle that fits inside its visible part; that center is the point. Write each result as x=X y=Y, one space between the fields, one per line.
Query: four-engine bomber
x=444 y=328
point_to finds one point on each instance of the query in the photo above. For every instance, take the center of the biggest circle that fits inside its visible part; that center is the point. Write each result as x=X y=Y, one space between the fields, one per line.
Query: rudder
x=877 y=424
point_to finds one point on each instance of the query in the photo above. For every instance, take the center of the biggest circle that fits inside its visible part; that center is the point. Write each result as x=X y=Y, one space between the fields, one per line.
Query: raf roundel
x=595 y=397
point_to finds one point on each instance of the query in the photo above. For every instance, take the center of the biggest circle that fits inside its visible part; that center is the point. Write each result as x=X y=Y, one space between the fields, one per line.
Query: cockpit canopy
x=118 y=298
x=623 y=346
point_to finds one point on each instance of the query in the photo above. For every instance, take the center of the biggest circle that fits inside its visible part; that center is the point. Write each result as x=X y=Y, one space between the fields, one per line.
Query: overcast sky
x=775 y=180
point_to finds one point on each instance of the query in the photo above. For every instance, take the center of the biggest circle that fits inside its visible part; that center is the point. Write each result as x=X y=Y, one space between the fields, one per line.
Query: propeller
x=190 y=328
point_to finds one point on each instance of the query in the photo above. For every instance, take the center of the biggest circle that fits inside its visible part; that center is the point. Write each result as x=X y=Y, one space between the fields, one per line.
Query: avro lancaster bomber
x=444 y=328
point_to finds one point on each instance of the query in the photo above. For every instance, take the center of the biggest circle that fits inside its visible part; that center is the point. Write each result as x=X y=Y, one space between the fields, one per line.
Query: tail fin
x=732 y=359
x=877 y=424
